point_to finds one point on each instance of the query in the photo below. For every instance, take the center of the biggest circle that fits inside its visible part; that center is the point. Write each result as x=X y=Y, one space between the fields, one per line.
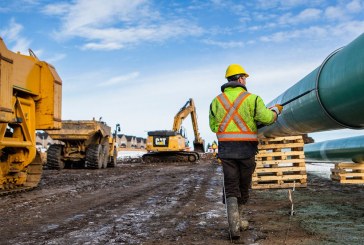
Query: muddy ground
x=174 y=204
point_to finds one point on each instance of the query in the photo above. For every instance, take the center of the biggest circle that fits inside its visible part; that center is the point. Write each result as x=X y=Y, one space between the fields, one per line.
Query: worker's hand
x=277 y=108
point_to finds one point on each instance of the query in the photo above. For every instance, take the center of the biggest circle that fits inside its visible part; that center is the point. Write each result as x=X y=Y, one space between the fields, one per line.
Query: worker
x=234 y=115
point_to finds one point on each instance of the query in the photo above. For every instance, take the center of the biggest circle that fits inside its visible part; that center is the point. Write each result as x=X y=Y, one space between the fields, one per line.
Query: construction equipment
x=171 y=145
x=86 y=143
x=30 y=100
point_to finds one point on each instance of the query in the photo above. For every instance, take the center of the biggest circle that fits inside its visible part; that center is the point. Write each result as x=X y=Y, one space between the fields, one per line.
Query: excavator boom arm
x=187 y=109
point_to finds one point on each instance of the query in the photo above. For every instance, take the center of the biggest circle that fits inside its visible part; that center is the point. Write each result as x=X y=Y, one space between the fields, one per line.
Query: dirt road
x=174 y=204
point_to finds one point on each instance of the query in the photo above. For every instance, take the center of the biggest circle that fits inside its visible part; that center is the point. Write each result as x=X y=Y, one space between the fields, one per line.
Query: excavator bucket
x=199 y=147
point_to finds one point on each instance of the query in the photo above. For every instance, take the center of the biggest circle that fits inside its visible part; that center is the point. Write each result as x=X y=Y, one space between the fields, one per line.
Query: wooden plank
x=280 y=165
x=343 y=165
x=279 y=186
x=347 y=171
x=278 y=161
x=283 y=169
x=299 y=137
x=284 y=177
x=348 y=175
x=281 y=146
x=284 y=153
x=351 y=181
x=347 y=180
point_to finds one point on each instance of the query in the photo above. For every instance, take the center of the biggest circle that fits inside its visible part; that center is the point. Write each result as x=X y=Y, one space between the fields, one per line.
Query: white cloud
x=309 y=14
x=12 y=31
x=118 y=24
x=120 y=79
x=334 y=13
x=17 y=43
x=95 y=13
x=55 y=58
x=348 y=30
x=11 y=34
x=114 y=38
x=355 y=6
x=102 y=46
x=21 y=45
x=225 y=45
x=284 y=4
x=56 y=9
x=344 y=31
x=305 y=16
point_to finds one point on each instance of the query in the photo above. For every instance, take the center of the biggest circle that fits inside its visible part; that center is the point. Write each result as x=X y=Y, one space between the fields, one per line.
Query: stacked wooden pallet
x=280 y=163
x=348 y=173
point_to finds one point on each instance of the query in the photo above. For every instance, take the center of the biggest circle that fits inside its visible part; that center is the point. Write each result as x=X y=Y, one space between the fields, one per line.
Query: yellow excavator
x=172 y=145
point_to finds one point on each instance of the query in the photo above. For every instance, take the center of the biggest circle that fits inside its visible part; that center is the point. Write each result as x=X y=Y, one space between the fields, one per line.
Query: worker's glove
x=277 y=108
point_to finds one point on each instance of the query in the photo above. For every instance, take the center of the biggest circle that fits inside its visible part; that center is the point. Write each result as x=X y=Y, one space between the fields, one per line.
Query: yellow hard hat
x=235 y=69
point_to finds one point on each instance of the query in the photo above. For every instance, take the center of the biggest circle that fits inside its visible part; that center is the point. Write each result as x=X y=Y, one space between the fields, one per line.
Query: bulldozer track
x=34 y=173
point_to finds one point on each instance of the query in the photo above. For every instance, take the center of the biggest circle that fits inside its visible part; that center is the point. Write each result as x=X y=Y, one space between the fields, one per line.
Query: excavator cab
x=182 y=132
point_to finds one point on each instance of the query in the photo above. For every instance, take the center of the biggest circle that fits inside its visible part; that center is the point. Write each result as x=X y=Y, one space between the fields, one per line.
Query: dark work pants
x=237 y=177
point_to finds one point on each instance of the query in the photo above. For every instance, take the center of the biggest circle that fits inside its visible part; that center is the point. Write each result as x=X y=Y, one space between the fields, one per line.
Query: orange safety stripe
x=237 y=136
x=232 y=115
x=232 y=112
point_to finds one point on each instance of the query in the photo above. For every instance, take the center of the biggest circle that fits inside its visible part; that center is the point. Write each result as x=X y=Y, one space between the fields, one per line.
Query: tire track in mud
x=76 y=205
x=152 y=218
x=197 y=203
x=119 y=214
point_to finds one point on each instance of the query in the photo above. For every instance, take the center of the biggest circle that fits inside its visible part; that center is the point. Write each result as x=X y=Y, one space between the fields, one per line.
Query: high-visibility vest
x=242 y=131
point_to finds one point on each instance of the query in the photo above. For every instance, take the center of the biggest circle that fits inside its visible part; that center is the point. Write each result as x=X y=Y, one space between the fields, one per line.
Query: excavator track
x=171 y=156
x=34 y=174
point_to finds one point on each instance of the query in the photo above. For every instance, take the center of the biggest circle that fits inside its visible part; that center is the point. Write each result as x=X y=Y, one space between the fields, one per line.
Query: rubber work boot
x=233 y=217
x=244 y=224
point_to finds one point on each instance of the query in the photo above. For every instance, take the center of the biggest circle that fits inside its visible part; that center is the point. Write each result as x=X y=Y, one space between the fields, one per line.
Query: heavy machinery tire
x=54 y=157
x=113 y=159
x=105 y=151
x=94 y=156
x=192 y=158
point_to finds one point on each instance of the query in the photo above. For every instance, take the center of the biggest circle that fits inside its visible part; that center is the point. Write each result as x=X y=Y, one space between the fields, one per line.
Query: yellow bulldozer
x=86 y=143
x=30 y=100
x=172 y=145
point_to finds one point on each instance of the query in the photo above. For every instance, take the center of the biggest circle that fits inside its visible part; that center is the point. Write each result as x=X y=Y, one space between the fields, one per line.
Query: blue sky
x=137 y=62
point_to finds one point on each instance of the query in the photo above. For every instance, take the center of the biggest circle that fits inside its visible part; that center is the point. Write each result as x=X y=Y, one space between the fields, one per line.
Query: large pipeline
x=332 y=96
x=340 y=150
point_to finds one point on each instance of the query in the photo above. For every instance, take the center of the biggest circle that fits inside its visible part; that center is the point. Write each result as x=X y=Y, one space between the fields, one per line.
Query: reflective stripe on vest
x=244 y=134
